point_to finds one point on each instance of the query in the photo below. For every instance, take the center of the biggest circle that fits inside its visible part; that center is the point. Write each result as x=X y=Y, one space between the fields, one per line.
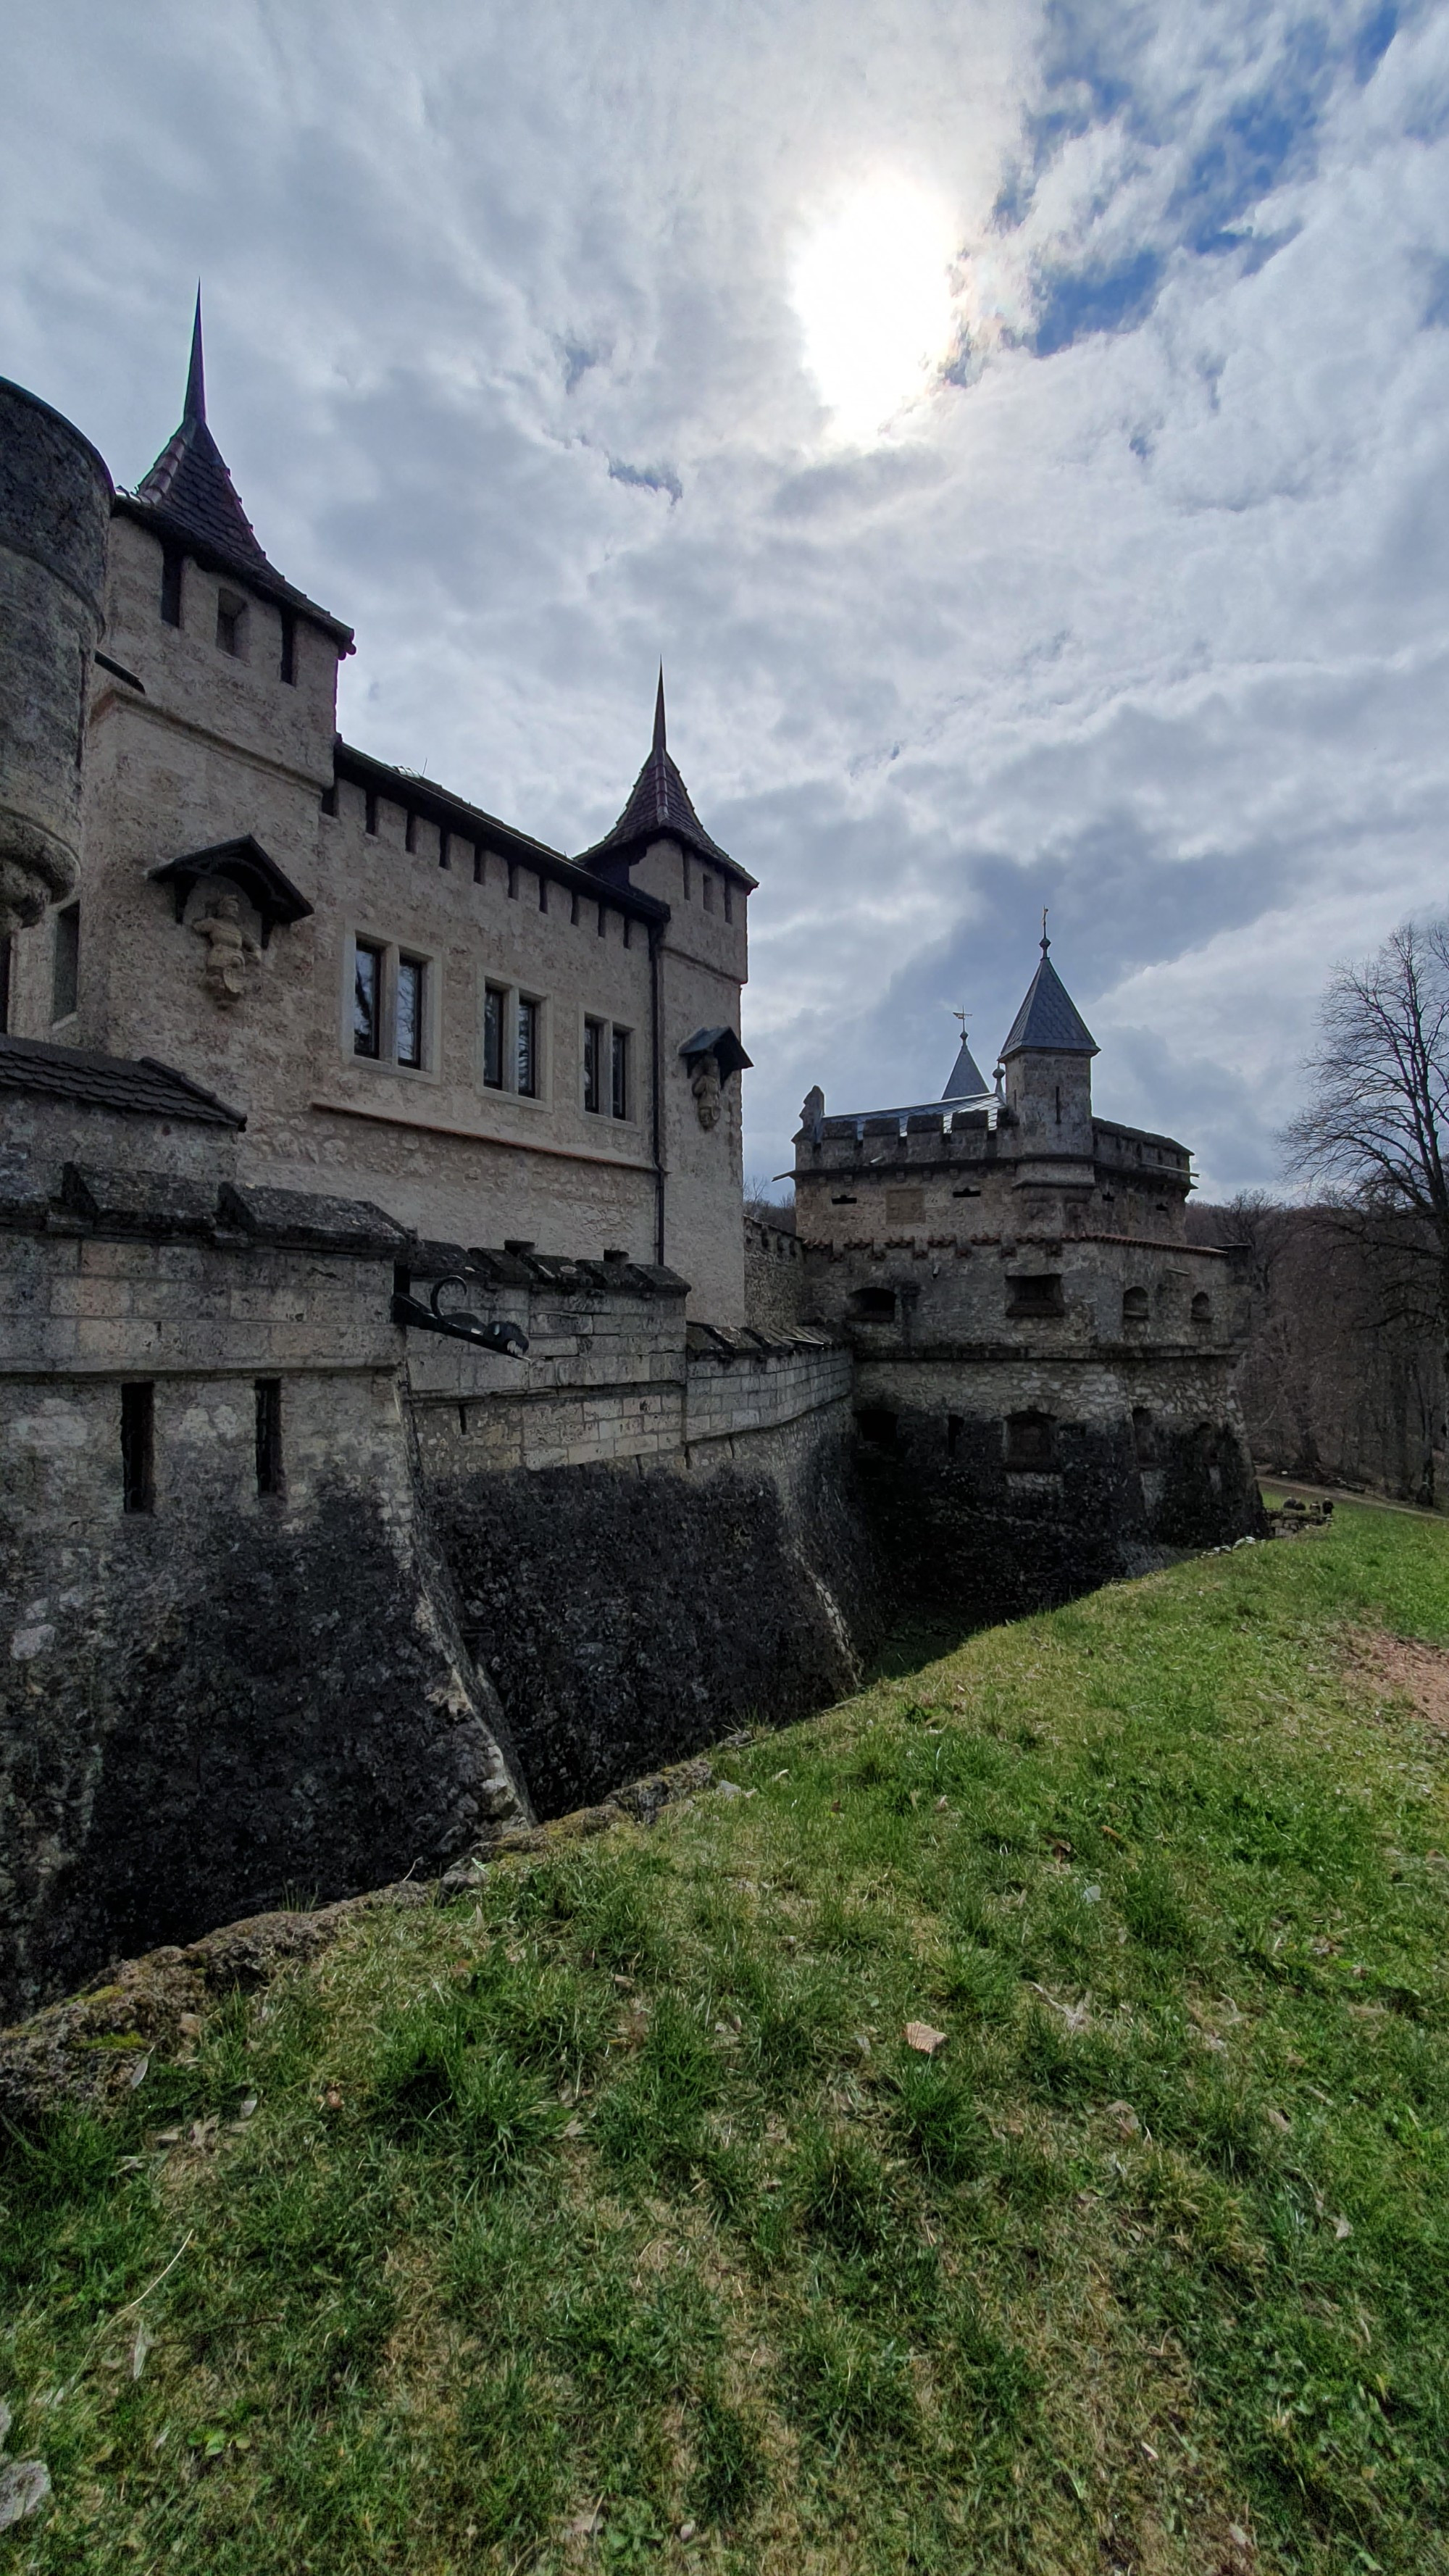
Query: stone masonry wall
x=226 y=1694
x=654 y=1531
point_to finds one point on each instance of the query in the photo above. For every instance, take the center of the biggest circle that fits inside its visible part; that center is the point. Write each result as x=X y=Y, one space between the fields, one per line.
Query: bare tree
x=1375 y=1131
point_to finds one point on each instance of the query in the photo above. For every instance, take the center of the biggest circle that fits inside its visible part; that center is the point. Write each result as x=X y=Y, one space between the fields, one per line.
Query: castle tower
x=55 y=499
x=1047 y=1059
x=660 y=847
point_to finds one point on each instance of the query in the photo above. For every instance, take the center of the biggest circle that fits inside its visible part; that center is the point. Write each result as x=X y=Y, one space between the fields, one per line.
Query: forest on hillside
x=1343 y=1380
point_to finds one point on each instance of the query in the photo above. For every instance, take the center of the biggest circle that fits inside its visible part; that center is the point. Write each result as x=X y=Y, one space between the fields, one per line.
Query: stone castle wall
x=478 y=1582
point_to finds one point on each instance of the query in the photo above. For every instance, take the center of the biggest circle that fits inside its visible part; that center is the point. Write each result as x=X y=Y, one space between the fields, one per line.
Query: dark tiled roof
x=659 y=803
x=965 y=1082
x=144 y=1088
x=190 y=497
x=1048 y=1022
x=470 y=824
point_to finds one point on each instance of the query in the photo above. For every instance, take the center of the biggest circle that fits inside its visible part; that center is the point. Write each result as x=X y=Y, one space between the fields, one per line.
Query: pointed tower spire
x=190 y=483
x=1048 y=1022
x=659 y=808
x=965 y=1081
x=196 y=373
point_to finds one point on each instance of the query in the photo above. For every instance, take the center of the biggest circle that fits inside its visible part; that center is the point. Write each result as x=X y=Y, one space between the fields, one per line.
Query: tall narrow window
x=138 y=1448
x=7 y=968
x=289 y=648
x=593 y=1065
x=269 y=1435
x=65 y=980
x=527 y=1048
x=231 y=624
x=171 y=562
x=410 y=998
x=367 y=1000
x=619 y=1074
x=369 y=809
x=495 y=1004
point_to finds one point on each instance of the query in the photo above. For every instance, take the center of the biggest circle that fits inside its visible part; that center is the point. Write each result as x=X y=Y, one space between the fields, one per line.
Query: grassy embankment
x=608 y=2221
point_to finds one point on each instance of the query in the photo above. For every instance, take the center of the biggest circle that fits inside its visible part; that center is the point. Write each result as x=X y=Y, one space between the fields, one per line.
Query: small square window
x=367 y=1000
x=1029 y=1441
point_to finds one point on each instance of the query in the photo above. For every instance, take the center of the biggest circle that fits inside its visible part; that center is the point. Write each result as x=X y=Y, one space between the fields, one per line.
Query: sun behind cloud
x=871 y=284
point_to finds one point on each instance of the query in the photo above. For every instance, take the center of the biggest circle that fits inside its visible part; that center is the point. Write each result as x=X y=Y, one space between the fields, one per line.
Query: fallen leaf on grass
x=925 y=2040
x=585 y=2525
x=1341 y=2228
x=331 y=2099
x=1277 y=2120
x=138 y=2072
x=24 y=2486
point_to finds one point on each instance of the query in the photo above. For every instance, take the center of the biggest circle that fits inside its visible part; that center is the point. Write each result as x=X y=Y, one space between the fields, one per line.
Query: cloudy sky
x=1022 y=431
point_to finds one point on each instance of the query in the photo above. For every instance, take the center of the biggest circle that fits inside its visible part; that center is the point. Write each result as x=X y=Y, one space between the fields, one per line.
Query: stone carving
x=704 y=1082
x=231 y=951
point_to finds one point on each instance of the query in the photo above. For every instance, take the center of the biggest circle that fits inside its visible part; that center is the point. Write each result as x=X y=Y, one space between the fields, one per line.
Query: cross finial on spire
x=196 y=379
x=659 y=743
x=1045 y=942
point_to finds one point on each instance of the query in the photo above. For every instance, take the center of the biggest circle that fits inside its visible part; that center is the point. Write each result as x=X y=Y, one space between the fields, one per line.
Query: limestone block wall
x=228 y=1662
x=653 y=1529
x=774 y=1276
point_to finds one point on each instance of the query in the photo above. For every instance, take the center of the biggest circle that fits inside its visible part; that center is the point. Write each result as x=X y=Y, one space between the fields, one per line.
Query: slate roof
x=189 y=496
x=965 y=1082
x=659 y=802
x=143 y=1087
x=1048 y=1022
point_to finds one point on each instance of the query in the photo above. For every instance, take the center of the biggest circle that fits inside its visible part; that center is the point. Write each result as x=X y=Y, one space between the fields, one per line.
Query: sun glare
x=872 y=288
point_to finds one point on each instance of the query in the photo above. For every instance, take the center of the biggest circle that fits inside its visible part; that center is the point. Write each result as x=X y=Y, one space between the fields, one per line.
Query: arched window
x=1134 y=1306
x=1202 y=1307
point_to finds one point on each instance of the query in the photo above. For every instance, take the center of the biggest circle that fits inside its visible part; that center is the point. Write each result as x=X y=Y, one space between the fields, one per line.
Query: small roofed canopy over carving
x=247 y=866
x=190 y=498
x=1048 y=1022
x=659 y=808
x=723 y=1045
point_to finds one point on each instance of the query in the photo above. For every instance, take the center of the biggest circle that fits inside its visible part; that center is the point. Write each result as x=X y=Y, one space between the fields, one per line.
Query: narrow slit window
x=729 y=908
x=619 y=1074
x=7 y=961
x=526 y=1056
x=445 y=846
x=231 y=624
x=411 y=996
x=171 y=562
x=367 y=1000
x=706 y=888
x=289 y=648
x=410 y=833
x=593 y=1065
x=495 y=1004
x=138 y=1448
x=370 y=810
x=269 y=1435
x=65 y=981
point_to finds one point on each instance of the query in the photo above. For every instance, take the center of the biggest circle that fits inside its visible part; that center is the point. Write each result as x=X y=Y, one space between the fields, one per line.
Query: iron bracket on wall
x=458 y=1325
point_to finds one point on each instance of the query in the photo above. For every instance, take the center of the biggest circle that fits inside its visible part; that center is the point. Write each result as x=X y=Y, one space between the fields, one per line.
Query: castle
x=393 y=1444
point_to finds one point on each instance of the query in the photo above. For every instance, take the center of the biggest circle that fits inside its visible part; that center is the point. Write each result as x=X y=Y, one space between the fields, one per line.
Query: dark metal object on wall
x=457 y=1323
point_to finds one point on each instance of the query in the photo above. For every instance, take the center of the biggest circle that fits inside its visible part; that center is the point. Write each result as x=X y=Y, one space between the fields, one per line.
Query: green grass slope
x=607 y=2220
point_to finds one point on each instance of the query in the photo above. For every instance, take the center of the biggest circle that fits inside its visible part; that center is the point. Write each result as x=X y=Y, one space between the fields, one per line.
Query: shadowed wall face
x=55 y=497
